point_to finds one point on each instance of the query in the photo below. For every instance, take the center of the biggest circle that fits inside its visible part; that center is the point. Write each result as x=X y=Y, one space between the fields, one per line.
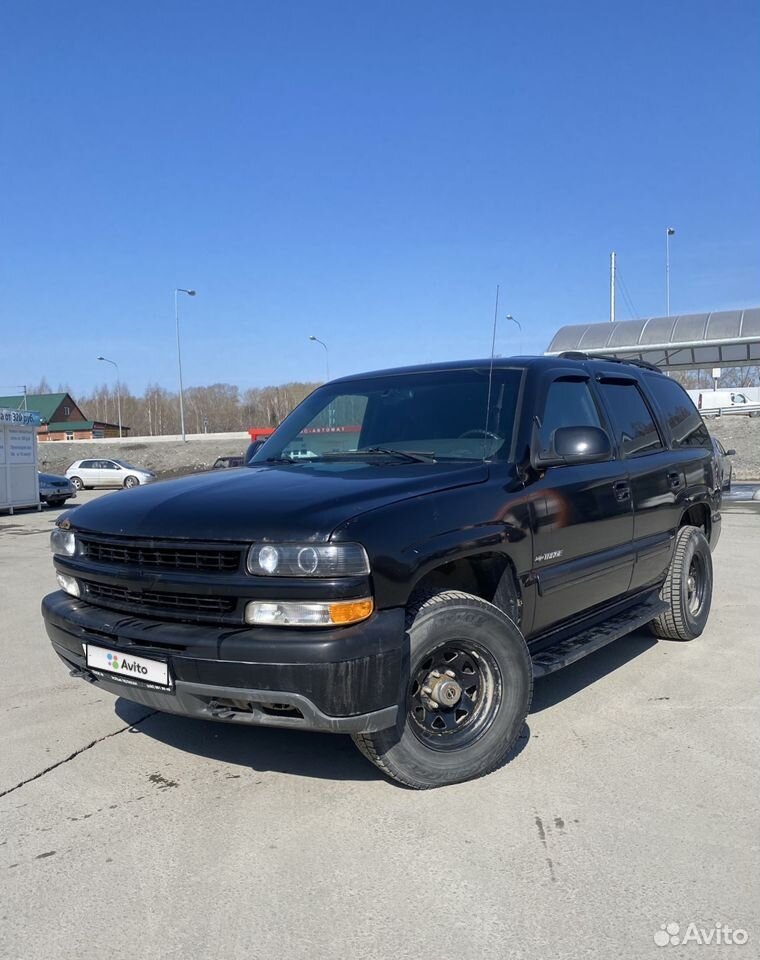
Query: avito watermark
x=719 y=934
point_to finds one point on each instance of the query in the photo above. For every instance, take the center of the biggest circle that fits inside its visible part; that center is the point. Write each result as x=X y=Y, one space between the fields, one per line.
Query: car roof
x=599 y=364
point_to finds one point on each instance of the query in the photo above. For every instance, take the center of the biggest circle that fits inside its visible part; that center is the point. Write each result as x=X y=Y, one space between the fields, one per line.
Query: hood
x=299 y=501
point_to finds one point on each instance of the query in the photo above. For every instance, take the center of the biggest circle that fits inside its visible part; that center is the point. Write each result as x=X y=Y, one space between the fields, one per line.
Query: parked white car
x=85 y=474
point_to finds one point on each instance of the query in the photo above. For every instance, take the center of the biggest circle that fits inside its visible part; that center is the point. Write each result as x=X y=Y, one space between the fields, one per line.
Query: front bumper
x=342 y=680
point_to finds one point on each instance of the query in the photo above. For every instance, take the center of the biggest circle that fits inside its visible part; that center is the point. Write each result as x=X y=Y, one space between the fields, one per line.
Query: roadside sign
x=19 y=485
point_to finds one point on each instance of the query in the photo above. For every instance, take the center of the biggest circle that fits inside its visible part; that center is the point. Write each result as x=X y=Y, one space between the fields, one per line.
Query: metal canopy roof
x=729 y=338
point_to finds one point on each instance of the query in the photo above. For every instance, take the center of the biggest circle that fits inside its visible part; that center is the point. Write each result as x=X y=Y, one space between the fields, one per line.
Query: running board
x=567 y=651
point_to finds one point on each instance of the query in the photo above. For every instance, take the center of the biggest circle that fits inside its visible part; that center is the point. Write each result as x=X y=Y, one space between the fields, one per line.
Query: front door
x=583 y=524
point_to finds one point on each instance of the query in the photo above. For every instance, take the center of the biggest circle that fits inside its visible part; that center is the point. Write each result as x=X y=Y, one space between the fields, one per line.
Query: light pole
x=519 y=326
x=190 y=293
x=668 y=234
x=327 y=354
x=118 y=388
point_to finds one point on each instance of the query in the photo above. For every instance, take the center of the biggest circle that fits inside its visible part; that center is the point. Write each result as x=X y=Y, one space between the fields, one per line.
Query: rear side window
x=632 y=419
x=686 y=426
x=86 y=464
x=568 y=404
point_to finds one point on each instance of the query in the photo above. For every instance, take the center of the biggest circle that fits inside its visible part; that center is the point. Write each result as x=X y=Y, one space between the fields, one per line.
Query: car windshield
x=425 y=416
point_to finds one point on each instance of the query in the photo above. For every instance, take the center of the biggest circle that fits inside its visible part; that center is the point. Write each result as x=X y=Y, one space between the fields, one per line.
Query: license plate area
x=128 y=668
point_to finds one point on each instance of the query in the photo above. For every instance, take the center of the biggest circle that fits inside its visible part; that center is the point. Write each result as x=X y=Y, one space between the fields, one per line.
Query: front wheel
x=131 y=482
x=687 y=589
x=468 y=694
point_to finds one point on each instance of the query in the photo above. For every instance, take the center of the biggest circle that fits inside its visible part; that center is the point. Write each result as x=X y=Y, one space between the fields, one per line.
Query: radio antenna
x=490 y=371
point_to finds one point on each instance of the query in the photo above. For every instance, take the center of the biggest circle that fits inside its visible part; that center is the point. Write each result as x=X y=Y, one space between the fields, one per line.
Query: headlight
x=307 y=560
x=287 y=613
x=63 y=542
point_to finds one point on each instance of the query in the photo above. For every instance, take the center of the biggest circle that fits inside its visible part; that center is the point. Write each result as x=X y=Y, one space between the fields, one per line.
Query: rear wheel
x=78 y=485
x=687 y=589
x=131 y=482
x=468 y=694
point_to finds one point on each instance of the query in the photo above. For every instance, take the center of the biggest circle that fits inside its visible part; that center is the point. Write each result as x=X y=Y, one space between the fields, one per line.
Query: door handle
x=674 y=479
x=622 y=490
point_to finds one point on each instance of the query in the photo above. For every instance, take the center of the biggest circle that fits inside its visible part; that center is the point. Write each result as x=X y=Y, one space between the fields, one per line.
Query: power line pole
x=612 y=287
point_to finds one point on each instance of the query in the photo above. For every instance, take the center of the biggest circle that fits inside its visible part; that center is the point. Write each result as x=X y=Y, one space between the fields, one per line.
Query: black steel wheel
x=687 y=589
x=466 y=695
x=453 y=694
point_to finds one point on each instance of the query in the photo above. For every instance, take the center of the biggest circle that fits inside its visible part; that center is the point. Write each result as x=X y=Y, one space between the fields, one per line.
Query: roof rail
x=580 y=355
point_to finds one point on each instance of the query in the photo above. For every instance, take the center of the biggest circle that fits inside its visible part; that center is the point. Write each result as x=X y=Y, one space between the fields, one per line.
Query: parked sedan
x=55 y=490
x=725 y=467
x=85 y=474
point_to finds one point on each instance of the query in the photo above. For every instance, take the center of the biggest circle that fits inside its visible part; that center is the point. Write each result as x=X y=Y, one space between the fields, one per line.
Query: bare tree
x=218 y=408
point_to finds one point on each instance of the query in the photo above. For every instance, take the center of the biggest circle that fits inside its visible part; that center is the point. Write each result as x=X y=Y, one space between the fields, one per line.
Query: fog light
x=273 y=613
x=69 y=584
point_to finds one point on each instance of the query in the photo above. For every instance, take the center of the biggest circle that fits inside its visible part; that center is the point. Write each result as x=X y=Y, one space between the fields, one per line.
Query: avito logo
x=129 y=666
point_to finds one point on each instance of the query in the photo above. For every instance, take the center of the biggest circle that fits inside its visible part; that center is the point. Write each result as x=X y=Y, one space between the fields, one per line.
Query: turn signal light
x=290 y=613
x=350 y=612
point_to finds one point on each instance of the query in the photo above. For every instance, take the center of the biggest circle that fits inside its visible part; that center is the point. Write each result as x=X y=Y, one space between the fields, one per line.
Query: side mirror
x=570 y=445
x=730 y=453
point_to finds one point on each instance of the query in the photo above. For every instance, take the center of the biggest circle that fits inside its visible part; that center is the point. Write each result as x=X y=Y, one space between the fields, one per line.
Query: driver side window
x=569 y=403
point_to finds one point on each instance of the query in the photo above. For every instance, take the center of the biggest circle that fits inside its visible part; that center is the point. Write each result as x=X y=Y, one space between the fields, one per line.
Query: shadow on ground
x=334 y=757
x=322 y=755
x=552 y=690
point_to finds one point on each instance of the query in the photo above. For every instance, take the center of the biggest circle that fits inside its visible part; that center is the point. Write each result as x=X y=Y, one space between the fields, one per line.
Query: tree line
x=219 y=408
x=224 y=407
x=729 y=377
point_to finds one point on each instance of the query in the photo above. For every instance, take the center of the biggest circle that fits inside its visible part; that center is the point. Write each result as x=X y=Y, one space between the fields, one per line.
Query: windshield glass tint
x=440 y=414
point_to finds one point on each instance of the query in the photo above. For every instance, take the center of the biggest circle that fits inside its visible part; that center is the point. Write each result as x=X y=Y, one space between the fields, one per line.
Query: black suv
x=402 y=557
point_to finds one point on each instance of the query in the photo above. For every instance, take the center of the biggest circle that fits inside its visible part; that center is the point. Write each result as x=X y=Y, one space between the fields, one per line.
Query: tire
x=78 y=485
x=687 y=589
x=432 y=744
x=130 y=482
x=56 y=503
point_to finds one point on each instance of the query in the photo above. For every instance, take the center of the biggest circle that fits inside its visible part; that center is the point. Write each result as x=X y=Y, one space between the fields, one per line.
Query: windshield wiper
x=413 y=456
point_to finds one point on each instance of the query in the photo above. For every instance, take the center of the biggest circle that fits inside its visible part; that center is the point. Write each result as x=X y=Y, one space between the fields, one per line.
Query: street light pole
x=519 y=327
x=118 y=388
x=327 y=354
x=190 y=293
x=668 y=234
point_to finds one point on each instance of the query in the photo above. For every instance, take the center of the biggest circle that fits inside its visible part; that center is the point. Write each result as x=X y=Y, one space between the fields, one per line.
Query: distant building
x=62 y=419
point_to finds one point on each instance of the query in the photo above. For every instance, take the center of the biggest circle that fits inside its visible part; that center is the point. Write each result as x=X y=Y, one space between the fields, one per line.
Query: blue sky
x=363 y=171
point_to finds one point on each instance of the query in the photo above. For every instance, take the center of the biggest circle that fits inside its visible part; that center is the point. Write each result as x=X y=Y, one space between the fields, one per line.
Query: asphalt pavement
x=631 y=803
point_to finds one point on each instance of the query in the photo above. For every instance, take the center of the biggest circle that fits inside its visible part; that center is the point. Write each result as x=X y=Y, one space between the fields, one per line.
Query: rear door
x=87 y=473
x=583 y=524
x=691 y=445
x=658 y=484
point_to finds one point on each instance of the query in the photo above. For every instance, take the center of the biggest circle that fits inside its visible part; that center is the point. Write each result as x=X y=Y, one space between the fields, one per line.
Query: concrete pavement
x=631 y=803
